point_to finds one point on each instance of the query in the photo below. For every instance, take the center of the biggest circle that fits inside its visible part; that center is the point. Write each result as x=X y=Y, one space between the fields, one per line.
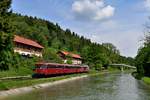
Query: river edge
x=145 y=80
x=22 y=90
x=26 y=89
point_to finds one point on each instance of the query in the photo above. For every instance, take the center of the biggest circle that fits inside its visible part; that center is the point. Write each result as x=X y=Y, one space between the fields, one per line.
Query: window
x=43 y=67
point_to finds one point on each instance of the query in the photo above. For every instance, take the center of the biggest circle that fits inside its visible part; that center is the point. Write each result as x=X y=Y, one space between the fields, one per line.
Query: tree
x=111 y=47
x=94 y=57
x=50 y=55
x=6 y=36
x=4 y=6
x=143 y=56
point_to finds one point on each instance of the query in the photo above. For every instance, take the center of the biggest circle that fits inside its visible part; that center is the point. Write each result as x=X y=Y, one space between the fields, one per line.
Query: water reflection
x=120 y=86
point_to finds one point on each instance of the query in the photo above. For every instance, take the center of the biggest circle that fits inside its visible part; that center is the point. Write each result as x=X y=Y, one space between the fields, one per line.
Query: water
x=121 y=86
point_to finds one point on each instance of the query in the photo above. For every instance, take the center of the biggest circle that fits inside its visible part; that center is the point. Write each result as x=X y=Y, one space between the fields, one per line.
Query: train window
x=71 y=67
x=37 y=66
x=51 y=66
x=61 y=66
x=55 y=66
x=43 y=66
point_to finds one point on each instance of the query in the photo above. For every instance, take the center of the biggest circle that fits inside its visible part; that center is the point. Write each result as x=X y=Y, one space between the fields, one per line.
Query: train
x=50 y=69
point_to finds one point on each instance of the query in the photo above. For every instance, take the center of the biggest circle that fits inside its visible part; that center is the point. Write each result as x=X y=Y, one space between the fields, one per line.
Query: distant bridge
x=122 y=66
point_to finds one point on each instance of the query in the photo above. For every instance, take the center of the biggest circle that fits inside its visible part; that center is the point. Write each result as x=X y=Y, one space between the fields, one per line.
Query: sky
x=120 y=22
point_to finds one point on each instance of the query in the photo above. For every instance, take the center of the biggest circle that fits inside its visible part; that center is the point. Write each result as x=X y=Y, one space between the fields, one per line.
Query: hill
x=53 y=38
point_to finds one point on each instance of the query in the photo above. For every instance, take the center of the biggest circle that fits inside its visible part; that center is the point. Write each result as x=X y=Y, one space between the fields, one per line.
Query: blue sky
x=120 y=22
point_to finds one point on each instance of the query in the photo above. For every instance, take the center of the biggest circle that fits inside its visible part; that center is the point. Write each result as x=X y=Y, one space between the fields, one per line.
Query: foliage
x=69 y=61
x=146 y=80
x=23 y=66
x=53 y=38
x=6 y=36
x=56 y=39
x=4 y=6
x=111 y=47
x=50 y=55
x=143 y=57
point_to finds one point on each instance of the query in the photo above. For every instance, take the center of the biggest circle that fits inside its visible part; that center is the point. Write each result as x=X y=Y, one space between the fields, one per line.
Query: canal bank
x=17 y=91
x=144 y=79
x=109 y=86
x=23 y=86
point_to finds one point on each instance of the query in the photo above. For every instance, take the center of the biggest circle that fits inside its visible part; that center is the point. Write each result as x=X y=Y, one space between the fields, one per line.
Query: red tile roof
x=26 y=41
x=71 y=54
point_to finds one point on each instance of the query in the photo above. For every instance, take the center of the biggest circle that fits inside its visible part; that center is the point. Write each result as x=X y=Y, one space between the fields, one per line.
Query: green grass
x=146 y=80
x=111 y=69
x=11 y=84
x=2 y=86
x=22 y=71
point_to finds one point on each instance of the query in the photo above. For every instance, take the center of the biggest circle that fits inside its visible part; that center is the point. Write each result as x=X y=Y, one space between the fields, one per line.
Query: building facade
x=27 y=47
x=75 y=58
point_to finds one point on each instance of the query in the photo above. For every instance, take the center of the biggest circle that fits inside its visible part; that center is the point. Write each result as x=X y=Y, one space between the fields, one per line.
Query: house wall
x=27 y=50
x=75 y=61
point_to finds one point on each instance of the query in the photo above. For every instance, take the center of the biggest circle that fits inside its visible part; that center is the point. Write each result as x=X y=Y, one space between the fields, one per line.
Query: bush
x=69 y=61
x=50 y=55
x=98 y=66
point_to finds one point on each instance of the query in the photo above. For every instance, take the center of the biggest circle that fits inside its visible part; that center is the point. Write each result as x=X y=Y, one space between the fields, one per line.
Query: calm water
x=121 y=86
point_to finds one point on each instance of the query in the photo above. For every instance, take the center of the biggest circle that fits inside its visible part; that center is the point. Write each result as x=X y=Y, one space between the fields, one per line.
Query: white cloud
x=127 y=42
x=92 y=10
x=147 y=4
x=126 y=37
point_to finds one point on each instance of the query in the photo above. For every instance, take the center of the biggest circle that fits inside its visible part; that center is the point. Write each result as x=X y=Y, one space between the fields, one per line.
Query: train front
x=40 y=69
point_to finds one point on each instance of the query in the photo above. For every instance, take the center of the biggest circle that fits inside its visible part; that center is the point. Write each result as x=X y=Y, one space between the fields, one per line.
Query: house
x=27 y=47
x=75 y=58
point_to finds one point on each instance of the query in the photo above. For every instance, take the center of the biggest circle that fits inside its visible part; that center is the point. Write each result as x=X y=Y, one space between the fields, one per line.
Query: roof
x=71 y=54
x=58 y=64
x=26 y=41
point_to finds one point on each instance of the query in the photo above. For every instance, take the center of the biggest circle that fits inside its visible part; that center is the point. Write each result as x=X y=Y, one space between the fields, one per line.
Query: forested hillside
x=53 y=38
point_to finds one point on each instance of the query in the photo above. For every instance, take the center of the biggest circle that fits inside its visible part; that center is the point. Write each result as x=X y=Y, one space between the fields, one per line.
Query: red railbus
x=46 y=69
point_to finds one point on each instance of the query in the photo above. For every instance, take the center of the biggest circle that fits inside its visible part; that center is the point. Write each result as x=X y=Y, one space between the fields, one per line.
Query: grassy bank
x=22 y=71
x=139 y=77
x=146 y=80
x=11 y=84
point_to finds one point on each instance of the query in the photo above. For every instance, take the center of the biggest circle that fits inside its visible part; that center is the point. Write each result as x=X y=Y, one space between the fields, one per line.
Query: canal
x=118 y=86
